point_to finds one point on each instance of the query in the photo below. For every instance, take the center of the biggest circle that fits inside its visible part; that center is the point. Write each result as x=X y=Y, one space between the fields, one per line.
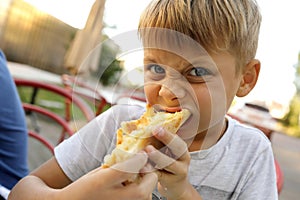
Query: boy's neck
x=204 y=141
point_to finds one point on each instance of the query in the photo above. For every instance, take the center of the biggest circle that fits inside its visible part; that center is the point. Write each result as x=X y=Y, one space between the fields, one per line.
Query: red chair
x=91 y=95
x=54 y=90
x=279 y=174
x=42 y=140
x=37 y=85
x=40 y=145
x=60 y=121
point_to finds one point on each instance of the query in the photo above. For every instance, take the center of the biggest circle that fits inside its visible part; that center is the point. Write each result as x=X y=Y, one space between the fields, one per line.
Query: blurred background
x=45 y=39
x=56 y=36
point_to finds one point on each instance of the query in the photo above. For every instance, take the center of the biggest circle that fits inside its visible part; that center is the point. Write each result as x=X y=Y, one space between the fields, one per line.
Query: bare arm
x=49 y=182
x=44 y=180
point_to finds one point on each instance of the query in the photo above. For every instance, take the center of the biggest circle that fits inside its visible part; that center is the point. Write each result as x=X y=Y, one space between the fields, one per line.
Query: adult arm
x=42 y=182
x=49 y=182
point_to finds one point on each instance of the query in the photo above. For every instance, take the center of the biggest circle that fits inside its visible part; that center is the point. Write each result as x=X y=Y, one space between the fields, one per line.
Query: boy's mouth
x=159 y=108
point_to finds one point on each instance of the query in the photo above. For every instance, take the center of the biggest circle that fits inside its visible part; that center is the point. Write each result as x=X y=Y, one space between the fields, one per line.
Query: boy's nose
x=171 y=93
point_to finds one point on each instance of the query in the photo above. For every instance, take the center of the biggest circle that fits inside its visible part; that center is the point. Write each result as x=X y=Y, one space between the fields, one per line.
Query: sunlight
x=278 y=50
x=72 y=12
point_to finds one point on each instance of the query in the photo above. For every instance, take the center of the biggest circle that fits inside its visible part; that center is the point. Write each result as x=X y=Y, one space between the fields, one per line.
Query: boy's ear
x=249 y=78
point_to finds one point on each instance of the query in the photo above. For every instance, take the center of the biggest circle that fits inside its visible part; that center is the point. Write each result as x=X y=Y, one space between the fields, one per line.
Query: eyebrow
x=202 y=58
x=149 y=59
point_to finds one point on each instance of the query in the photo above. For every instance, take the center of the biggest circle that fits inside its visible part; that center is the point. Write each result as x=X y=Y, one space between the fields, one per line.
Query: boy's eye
x=199 y=71
x=156 y=69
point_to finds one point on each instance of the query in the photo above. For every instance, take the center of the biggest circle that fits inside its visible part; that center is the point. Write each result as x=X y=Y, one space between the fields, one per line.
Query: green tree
x=297 y=76
x=292 y=118
x=110 y=67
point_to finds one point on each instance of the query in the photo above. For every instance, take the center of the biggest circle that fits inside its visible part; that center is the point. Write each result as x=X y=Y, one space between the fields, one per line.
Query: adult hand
x=108 y=183
x=172 y=163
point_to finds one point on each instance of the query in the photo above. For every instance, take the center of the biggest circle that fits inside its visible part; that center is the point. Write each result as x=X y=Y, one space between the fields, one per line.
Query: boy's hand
x=172 y=164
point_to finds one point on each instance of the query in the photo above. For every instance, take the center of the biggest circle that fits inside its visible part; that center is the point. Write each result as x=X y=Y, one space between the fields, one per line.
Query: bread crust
x=133 y=136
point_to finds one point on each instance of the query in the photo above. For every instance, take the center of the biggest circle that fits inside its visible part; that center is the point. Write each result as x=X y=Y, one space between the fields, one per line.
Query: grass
x=52 y=101
x=43 y=98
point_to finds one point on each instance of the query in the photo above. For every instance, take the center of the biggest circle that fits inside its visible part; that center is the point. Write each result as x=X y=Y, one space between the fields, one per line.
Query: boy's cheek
x=151 y=91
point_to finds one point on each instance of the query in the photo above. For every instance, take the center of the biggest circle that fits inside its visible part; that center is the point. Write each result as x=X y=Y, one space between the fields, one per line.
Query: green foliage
x=111 y=75
x=292 y=119
x=109 y=68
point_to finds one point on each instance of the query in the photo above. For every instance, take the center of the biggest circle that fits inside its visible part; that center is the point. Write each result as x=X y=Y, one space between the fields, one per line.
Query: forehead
x=154 y=54
x=171 y=41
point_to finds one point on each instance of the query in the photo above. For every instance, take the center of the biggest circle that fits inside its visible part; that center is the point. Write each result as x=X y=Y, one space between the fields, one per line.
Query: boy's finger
x=177 y=146
x=160 y=159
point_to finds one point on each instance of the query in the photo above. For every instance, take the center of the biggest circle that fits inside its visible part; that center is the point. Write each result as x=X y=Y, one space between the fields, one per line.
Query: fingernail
x=159 y=131
x=147 y=168
x=149 y=149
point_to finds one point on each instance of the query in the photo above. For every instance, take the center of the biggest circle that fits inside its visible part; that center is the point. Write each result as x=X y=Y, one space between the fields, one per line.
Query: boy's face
x=204 y=84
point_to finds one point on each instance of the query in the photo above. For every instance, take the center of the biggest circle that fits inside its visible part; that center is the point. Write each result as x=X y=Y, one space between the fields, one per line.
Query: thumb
x=124 y=170
x=133 y=164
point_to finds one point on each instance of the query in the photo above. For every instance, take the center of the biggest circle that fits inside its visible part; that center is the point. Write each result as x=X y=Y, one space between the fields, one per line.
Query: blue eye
x=156 y=69
x=199 y=71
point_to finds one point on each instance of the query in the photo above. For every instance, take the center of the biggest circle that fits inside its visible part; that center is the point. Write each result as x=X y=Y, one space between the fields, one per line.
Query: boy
x=211 y=156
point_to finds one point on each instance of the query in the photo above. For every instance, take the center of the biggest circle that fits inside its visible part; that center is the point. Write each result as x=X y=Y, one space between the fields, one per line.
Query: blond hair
x=218 y=25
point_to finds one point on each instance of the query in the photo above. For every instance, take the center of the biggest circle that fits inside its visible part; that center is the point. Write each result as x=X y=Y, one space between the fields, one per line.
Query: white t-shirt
x=239 y=166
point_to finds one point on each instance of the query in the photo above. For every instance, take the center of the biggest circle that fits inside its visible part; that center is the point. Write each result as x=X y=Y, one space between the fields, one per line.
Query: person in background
x=13 y=131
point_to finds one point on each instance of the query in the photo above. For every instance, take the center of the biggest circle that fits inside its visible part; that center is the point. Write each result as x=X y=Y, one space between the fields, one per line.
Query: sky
x=278 y=49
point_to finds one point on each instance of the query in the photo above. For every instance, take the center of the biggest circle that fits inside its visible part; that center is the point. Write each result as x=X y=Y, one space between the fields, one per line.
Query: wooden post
x=85 y=41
